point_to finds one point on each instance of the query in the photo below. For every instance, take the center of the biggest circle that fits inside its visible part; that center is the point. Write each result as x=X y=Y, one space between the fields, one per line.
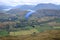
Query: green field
x=3 y=33
x=23 y=32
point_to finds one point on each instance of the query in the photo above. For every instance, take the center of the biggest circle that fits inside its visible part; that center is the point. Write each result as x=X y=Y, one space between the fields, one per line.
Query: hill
x=44 y=18
x=2 y=7
x=47 y=6
x=25 y=7
x=47 y=35
x=42 y=13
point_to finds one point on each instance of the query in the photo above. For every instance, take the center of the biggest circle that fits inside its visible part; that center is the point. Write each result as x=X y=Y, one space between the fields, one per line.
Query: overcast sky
x=28 y=2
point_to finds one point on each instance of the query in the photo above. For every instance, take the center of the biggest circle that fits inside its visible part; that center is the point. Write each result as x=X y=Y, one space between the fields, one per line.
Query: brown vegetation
x=47 y=35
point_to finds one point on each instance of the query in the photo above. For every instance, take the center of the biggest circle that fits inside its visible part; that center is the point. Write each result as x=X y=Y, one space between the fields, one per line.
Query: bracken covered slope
x=47 y=35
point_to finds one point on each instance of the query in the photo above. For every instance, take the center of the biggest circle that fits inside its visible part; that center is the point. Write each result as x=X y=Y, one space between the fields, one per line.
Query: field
x=3 y=33
x=23 y=32
x=37 y=29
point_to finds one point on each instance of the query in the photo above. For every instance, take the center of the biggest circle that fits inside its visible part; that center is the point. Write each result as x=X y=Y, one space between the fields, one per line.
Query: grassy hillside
x=47 y=35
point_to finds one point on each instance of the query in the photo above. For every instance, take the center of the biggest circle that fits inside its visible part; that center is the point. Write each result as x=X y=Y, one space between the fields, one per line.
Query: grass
x=23 y=32
x=43 y=28
x=56 y=27
x=3 y=33
x=47 y=35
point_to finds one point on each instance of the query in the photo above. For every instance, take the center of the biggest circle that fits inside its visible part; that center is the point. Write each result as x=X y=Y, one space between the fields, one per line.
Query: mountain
x=47 y=6
x=42 y=10
x=45 y=14
x=15 y=11
x=5 y=7
x=24 y=7
x=20 y=8
x=49 y=12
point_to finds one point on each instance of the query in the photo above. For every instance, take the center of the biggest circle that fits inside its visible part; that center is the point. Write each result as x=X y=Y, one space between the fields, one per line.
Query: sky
x=28 y=2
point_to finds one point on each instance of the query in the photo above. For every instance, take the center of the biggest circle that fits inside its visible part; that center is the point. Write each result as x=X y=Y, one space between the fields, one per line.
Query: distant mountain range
x=2 y=7
x=38 y=6
x=42 y=14
x=32 y=7
x=25 y=7
x=20 y=8
x=46 y=12
x=47 y=6
x=41 y=10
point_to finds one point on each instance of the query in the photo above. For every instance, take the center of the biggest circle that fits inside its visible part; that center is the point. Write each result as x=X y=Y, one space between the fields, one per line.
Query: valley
x=30 y=23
